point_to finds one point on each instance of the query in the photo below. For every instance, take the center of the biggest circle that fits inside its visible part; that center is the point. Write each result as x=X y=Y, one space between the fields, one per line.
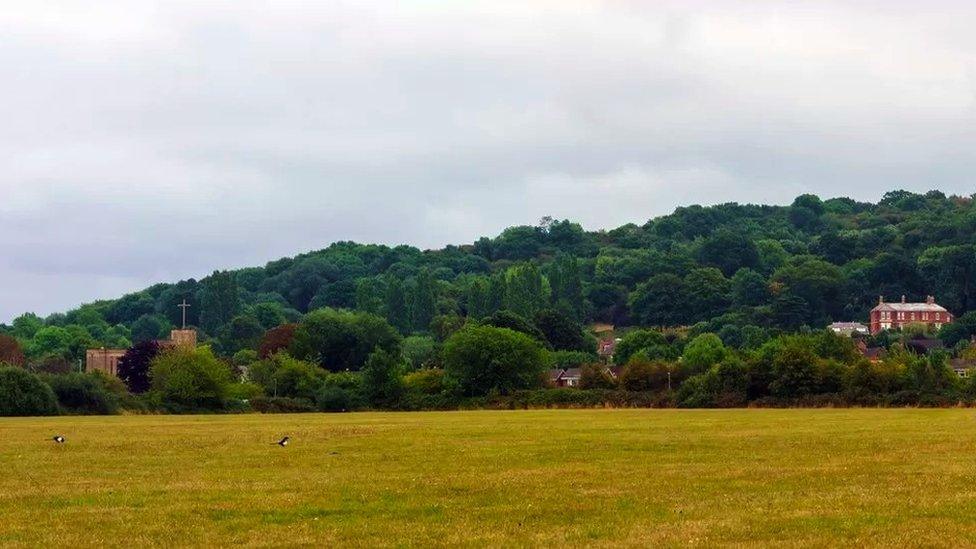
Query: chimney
x=902 y=298
x=930 y=300
x=880 y=300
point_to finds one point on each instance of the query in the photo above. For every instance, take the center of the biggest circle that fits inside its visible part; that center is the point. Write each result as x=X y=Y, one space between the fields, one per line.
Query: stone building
x=103 y=360
x=107 y=360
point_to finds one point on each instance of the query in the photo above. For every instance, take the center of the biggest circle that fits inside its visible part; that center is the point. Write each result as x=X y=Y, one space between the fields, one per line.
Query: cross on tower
x=184 y=306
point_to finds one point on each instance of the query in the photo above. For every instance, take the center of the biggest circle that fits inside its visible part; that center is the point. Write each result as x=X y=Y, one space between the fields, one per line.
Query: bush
x=281 y=375
x=190 y=378
x=84 y=394
x=244 y=391
x=383 y=378
x=643 y=375
x=421 y=352
x=424 y=382
x=571 y=359
x=342 y=340
x=24 y=394
x=281 y=405
x=596 y=376
x=335 y=399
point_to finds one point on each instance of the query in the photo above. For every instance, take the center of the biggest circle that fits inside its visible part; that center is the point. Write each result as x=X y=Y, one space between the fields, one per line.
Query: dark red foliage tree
x=10 y=352
x=133 y=367
x=276 y=339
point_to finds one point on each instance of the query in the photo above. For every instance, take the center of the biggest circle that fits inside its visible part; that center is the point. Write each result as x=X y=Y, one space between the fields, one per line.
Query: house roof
x=848 y=326
x=607 y=347
x=911 y=307
x=962 y=364
x=924 y=346
x=555 y=373
x=571 y=372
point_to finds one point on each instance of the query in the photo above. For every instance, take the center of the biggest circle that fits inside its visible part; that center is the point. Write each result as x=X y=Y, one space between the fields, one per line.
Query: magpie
x=58 y=438
x=283 y=442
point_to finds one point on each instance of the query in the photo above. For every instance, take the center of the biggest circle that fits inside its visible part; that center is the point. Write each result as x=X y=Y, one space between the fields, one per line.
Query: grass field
x=601 y=477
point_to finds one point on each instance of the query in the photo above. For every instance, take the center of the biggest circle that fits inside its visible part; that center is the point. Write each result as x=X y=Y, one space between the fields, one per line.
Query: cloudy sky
x=144 y=141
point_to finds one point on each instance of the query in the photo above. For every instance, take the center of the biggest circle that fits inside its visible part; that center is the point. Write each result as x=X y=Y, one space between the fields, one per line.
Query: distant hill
x=728 y=266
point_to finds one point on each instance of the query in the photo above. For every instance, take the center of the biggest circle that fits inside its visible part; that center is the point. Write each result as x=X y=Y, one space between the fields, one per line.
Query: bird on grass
x=283 y=442
x=58 y=438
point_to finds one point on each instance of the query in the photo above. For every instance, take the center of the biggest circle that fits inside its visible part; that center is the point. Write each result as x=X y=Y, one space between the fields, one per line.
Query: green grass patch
x=501 y=478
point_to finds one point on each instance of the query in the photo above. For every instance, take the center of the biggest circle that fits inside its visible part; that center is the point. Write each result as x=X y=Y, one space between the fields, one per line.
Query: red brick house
x=893 y=316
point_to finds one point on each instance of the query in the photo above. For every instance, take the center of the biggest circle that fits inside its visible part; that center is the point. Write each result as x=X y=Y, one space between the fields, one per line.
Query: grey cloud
x=148 y=141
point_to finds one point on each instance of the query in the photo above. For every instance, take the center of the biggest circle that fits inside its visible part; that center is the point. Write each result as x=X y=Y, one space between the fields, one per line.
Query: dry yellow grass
x=601 y=477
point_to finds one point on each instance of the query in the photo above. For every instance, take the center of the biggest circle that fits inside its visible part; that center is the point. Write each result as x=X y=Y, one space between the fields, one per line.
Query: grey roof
x=848 y=326
x=911 y=307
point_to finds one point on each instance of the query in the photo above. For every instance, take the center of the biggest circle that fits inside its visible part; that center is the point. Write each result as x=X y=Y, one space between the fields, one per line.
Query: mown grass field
x=600 y=477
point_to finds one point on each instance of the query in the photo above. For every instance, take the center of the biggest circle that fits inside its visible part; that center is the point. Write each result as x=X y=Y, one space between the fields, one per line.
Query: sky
x=143 y=141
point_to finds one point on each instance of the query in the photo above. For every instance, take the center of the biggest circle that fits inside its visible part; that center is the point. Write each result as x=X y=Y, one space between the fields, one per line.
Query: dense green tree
x=951 y=273
x=26 y=325
x=515 y=322
x=562 y=332
x=703 y=352
x=397 y=311
x=729 y=251
x=423 y=301
x=370 y=296
x=342 y=340
x=661 y=301
x=219 y=300
x=525 y=290
x=242 y=332
x=383 y=378
x=150 y=327
x=637 y=341
x=190 y=378
x=707 y=292
x=483 y=359
x=567 y=285
x=749 y=288
x=24 y=394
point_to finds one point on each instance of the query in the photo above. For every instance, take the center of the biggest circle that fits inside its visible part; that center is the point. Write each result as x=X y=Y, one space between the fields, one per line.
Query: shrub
x=244 y=391
x=284 y=376
x=421 y=351
x=571 y=359
x=335 y=399
x=425 y=382
x=383 y=378
x=703 y=352
x=133 y=367
x=342 y=340
x=24 y=394
x=82 y=394
x=644 y=375
x=276 y=340
x=281 y=405
x=192 y=378
x=596 y=376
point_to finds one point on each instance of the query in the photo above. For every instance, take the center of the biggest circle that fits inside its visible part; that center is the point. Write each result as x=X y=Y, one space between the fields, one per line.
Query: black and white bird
x=58 y=438
x=283 y=442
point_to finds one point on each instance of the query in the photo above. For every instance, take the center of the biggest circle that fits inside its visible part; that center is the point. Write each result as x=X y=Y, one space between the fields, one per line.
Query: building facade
x=107 y=360
x=894 y=316
x=103 y=360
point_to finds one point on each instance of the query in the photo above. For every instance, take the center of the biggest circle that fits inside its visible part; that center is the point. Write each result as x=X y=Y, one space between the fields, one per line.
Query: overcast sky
x=144 y=142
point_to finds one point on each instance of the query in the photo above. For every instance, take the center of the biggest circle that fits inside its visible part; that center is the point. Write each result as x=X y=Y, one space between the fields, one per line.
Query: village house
x=848 y=328
x=890 y=316
x=606 y=348
x=570 y=377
